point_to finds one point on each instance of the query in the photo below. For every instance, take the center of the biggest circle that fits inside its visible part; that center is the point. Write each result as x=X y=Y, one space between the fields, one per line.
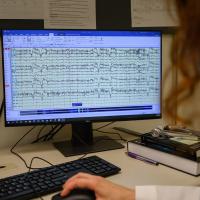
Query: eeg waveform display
x=69 y=75
x=43 y=77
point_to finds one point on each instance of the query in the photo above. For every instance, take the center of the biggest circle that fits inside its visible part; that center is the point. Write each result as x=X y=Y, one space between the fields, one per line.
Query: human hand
x=104 y=189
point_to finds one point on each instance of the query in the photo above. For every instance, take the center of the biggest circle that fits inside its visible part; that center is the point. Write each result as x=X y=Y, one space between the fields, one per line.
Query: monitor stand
x=82 y=141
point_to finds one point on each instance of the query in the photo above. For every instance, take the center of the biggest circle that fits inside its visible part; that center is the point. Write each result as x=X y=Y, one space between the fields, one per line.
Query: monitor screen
x=64 y=76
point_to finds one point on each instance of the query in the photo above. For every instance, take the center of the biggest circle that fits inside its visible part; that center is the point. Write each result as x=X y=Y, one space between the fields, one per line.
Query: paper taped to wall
x=153 y=13
x=71 y=14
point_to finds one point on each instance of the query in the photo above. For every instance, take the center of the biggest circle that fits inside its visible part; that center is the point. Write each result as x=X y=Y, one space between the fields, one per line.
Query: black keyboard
x=50 y=179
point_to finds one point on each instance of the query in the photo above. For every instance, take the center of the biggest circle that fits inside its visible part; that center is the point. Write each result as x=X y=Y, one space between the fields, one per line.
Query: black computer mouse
x=77 y=194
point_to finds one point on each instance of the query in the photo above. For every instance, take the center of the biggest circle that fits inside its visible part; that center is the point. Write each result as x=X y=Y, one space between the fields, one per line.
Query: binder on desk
x=178 y=162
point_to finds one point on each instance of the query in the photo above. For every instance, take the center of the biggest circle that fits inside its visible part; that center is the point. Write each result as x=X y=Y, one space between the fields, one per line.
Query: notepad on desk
x=181 y=163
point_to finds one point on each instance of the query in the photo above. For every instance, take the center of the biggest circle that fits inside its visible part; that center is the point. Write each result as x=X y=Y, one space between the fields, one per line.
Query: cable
x=36 y=157
x=15 y=153
x=50 y=136
x=38 y=135
x=1 y=109
x=53 y=132
x=104 y=126
x=30 y=167
x=49 y=133
x=98 y=130
x=121 y=138
x=39 y=158
x=44 y=137
x=103 y=139
x=38 y=138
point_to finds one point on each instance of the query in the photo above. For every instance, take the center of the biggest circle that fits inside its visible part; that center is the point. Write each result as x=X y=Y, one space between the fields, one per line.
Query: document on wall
x=74 y=14
x=21 y=9
x=153 y=13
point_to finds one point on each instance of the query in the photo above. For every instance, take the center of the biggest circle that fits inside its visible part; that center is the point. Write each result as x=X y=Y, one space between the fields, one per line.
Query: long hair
x=185 y=55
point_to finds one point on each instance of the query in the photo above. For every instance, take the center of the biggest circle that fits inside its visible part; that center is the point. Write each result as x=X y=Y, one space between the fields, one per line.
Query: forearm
x=166 y=193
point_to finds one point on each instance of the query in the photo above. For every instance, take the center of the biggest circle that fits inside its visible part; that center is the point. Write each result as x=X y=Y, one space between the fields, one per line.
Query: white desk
x=134 y=172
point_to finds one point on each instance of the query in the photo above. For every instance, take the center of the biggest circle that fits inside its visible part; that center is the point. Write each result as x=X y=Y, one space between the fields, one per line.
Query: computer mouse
x=77 y=194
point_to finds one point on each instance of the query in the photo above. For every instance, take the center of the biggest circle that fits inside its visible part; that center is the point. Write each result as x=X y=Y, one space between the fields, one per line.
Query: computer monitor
x=80 y=77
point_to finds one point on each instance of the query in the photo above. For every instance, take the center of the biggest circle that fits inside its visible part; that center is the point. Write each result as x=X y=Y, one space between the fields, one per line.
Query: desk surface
x=134 y=172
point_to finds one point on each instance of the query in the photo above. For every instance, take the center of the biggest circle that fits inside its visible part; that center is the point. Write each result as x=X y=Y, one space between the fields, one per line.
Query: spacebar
x=20 y=195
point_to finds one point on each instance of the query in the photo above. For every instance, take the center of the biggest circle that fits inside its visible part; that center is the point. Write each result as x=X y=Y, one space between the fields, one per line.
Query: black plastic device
x=50 y=179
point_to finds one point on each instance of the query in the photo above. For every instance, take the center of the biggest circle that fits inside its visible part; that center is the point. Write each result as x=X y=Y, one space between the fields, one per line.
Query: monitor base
x=101 y=143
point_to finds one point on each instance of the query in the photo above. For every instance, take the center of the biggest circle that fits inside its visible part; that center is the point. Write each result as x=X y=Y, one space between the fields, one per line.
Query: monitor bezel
x=83 y=119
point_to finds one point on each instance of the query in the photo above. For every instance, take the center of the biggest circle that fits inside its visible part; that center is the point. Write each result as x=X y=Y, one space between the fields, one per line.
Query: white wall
x=9 y=136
